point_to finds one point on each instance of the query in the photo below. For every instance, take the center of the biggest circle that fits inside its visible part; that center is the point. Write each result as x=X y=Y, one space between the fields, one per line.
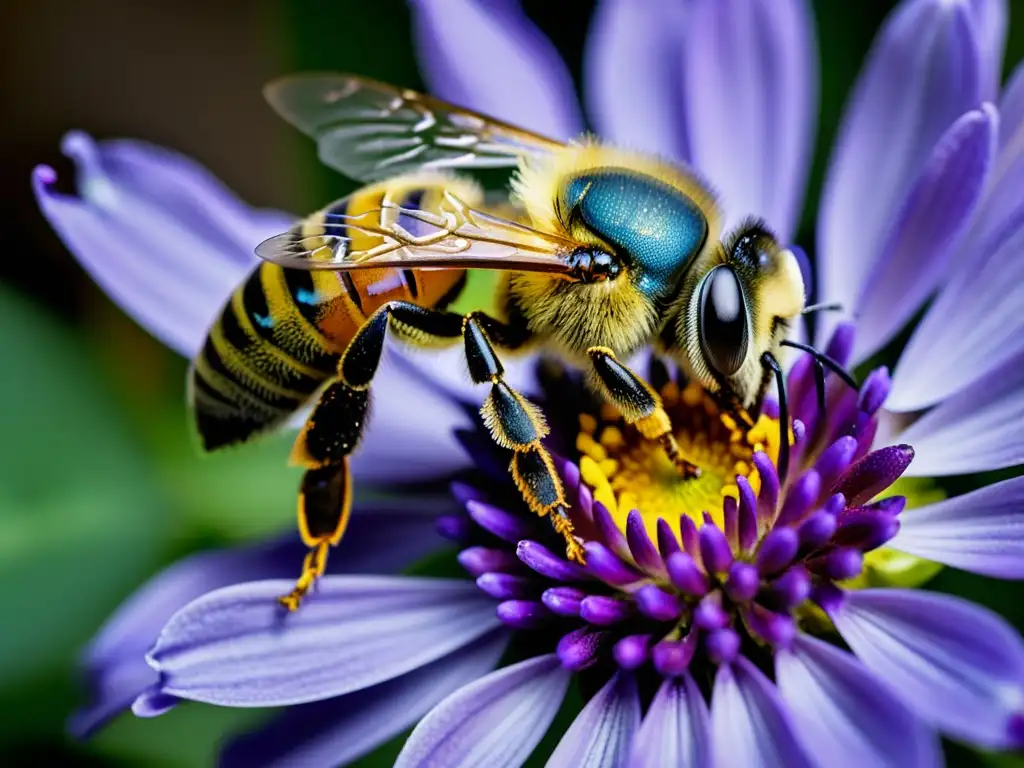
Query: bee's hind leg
x=639 y=405
x=517 y=424
x=333 y=429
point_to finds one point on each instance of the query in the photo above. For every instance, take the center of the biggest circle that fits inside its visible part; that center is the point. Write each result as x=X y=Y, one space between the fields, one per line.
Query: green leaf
x=80 y=523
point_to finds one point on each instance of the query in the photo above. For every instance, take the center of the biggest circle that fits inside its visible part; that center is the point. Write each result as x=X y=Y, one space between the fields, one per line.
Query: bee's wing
x=371 y=131
x=454 y=237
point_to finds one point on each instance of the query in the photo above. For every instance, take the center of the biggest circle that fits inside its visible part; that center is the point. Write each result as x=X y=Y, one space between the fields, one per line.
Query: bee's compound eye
x=723 y=321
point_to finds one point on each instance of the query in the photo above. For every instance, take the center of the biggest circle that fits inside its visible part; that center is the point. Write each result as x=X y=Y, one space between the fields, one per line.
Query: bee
x=601 y=252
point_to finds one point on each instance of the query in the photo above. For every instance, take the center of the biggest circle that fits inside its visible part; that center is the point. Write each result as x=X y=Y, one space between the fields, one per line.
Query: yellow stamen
x=625 y=471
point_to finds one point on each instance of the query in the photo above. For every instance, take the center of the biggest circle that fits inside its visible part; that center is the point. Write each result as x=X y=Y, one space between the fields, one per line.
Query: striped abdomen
x=280 y=336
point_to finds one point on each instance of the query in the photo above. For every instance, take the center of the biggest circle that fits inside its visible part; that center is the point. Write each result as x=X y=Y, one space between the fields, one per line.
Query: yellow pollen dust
x=627 y=472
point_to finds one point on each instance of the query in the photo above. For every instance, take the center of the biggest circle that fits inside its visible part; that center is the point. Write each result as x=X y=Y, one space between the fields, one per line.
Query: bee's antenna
x=823 y=307
x=825 y=360
x=780 y=382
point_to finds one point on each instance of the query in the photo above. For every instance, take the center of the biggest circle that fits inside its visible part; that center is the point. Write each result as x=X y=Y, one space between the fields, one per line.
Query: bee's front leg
x=639 y=405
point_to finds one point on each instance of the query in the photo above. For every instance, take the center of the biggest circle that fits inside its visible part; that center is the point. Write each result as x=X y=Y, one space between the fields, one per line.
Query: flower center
x=628 y=472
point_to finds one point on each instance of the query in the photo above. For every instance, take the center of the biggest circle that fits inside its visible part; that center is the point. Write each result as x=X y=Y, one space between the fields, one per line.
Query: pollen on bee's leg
x=563 y=527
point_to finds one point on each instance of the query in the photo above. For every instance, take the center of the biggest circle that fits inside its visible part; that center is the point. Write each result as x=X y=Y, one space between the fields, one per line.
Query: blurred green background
x=99 y=483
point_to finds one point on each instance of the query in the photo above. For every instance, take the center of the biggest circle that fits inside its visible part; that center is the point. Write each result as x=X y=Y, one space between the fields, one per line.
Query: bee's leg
x=517 y=424
x=639 y=405
x=333 y=429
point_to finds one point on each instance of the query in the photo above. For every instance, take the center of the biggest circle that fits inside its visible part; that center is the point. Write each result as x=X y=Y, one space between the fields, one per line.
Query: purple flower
x=716 y=602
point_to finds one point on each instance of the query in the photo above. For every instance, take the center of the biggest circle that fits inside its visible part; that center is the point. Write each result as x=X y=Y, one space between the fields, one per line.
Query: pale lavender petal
x=382 y=537
x=751 y=96
x=923 y=72
x=749 y=724
x=991 y=18
x=935 y=213
x=488 y=56
x=981 y=531
x=494 y=721
x=845 y=715
x=975 y=319
x=602 y=734
x=975 y=430
x=676 y=729
x=408 y=403
x=957 y=665
x=238 y=647
x=340 y=730
x=634 y=77
x=1011 y=107
x=164 y=238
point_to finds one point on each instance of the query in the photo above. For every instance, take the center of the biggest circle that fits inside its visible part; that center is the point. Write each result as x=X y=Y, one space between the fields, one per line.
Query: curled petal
x=749 y=725
x=639 y=105
x=494 y=721
x=163 y=237
x=491 y=58
x=957 y=665
x=676 y=728
x=922 y=240
x=981 y=531
x=845 y=715
x=340 y=730
x=751 y=96
x=602 y=734
x=974 y=321
x=923 y=72
x=237 y=647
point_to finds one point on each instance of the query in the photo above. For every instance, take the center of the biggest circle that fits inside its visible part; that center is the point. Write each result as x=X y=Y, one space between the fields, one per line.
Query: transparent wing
x=371 y=131
x=455 y=236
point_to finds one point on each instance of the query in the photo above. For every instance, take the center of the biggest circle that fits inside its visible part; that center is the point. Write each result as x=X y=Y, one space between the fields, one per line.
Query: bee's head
x=738 y=303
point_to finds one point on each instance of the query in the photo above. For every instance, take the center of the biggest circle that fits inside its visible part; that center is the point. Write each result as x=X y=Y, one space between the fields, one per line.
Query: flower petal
x=844 y=715
x=340 y=730
x=751 y=96
x=990 y=18
x=494 y=721
x=975 y=430
x=491 y=58
x=157 y=231
x=958 y=665
x=640 y=105
x=1011 y=107
x=676 y=728
x=602 y=733
x=382 y=538
x=409 y=402
x=749 y=725
x=974 y=320
x=981 y=531
x=922 y=240
x=923 y=72
x=238 y=647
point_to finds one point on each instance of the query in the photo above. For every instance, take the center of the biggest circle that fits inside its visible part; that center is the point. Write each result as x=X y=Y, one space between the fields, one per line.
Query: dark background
x=98 y=483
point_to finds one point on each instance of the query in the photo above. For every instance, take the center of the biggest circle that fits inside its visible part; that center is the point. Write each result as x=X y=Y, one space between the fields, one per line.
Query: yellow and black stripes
x=280 y=336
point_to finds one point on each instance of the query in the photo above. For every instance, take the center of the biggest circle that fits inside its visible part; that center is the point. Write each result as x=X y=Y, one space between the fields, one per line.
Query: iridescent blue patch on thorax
x=656 y=226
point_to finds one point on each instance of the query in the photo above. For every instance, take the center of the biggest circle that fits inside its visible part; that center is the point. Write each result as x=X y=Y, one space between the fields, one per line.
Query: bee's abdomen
x=281 y=335
x=262 y=360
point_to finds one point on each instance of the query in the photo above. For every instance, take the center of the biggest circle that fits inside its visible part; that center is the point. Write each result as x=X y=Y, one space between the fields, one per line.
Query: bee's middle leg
x=517 y=424
x=639 y=405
